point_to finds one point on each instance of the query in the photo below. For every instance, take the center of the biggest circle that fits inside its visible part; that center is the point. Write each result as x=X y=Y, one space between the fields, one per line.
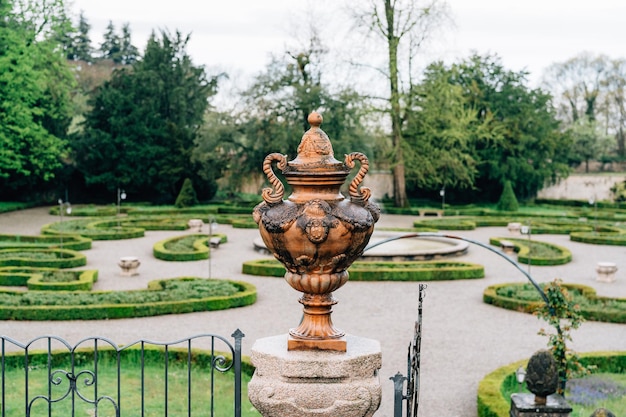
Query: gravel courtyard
x=463 y=338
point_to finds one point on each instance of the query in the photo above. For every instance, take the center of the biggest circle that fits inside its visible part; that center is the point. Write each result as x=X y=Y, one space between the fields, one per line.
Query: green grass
x=130 y=401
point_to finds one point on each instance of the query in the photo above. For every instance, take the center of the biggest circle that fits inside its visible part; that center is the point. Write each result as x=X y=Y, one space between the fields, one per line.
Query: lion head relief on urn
x=317 y=233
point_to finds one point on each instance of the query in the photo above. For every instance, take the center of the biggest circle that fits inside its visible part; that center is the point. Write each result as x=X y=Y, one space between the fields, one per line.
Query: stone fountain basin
x=407 y=249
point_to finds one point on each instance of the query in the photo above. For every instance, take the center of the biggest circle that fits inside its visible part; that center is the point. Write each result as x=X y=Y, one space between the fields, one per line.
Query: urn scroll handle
x=275 y=194
x=358 y=195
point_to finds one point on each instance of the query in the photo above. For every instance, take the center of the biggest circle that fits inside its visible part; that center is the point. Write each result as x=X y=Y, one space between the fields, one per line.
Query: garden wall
x=583 y=187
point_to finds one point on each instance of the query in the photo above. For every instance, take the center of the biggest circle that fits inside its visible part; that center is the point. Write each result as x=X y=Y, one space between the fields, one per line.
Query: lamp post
x=526 y=230
x=212 y=227
x=67 y=207
x=594 y=203
x=520 y=374
x=442 y=193
x=121 y=195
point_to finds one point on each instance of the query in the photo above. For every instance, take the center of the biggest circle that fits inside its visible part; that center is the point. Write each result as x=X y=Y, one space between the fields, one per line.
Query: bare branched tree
x=404 y=26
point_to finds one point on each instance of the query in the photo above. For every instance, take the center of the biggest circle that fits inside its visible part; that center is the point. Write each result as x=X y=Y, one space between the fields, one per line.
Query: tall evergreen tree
x=128 y=52
x=141 y=131
x=110 y=48
x=83 y=51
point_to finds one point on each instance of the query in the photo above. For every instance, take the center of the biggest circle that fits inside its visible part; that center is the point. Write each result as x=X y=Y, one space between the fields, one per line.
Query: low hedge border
x=246 y=296
x=74 y=242
x=603 y=313
x=201 y=249
x=600 y=238
x=446 y=224
x=491 y=402
x=65 y=258
x=384 y=271
x=18 y=276
x=84 y=281
x=522 y=249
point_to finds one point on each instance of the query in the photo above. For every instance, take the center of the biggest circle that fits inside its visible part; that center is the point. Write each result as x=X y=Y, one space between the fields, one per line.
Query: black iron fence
x=408 y=399
x=48 y=376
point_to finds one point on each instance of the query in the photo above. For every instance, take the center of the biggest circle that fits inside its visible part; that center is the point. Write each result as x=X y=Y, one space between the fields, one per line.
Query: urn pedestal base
x=315 y=383
x=524 y=405
x=337 y=345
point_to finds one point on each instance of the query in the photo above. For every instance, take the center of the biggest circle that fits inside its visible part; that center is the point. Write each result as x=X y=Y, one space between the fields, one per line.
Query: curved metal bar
x=475 y=242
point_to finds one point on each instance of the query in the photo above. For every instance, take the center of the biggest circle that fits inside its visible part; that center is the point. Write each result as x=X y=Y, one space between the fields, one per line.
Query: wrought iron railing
x=49 y=376
x=411 y=395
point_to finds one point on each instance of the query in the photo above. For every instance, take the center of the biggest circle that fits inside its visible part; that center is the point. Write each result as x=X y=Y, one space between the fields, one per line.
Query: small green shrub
x=508 y=201
x=187 y=196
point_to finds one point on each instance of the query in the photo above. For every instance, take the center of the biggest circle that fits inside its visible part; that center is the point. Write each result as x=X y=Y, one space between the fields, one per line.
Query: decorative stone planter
x=606 y=271
x=514 y=228
x=195 y=225
x=129 y=265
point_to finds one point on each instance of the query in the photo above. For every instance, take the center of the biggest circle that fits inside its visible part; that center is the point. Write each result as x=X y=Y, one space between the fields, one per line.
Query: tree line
x=93 y=120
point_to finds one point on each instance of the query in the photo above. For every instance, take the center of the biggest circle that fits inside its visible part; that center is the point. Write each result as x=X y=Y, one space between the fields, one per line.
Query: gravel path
x=463 y=338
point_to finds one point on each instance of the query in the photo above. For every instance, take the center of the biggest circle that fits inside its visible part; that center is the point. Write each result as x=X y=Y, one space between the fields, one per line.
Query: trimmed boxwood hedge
x=491 y=402
x=83 y=281
x=26 y=276
x=63 y=258
x=446 y=224
x=200 y=248
x=605 y=309
x=246 y=295
x=74 y=242
x=93 y=229
x=384 y=271
x=600 y=238
x=562 y=254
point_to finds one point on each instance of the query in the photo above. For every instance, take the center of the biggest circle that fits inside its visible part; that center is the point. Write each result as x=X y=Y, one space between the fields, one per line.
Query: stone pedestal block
x=606 y=271
x=315 y=383
x=523 y=405
x=129 y=265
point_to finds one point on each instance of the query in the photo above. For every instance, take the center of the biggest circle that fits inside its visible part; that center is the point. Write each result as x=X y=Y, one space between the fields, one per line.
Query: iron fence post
x=237 y=335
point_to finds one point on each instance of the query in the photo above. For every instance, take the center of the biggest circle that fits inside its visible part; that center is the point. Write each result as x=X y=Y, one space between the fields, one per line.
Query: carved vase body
x=316 y=233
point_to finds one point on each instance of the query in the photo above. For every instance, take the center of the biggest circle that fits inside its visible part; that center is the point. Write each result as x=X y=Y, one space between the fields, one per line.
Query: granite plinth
x=315 y=383
x=523 y=405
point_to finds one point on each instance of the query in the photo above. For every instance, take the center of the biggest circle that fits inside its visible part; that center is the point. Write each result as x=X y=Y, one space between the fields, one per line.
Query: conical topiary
x=187 y=196
x=508 y=201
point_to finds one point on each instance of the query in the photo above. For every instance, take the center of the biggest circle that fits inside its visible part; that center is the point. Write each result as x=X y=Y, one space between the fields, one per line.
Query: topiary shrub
x=187 y=196
x=508 y=201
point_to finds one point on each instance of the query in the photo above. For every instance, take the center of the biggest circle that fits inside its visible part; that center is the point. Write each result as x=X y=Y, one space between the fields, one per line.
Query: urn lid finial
x=315 y=119
x=315 y=150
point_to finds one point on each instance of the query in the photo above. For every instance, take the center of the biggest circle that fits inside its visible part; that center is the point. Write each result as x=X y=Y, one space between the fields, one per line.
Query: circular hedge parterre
x=170 y=296
x=535 y=252
x=46 y=258
x=184 y=248
x=384 y=271
x=525 y=298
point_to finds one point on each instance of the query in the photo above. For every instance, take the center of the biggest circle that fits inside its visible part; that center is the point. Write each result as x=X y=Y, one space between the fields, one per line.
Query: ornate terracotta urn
x=316 y=232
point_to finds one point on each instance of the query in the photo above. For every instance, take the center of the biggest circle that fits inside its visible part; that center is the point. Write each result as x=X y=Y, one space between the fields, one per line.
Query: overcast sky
x=239 y=35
